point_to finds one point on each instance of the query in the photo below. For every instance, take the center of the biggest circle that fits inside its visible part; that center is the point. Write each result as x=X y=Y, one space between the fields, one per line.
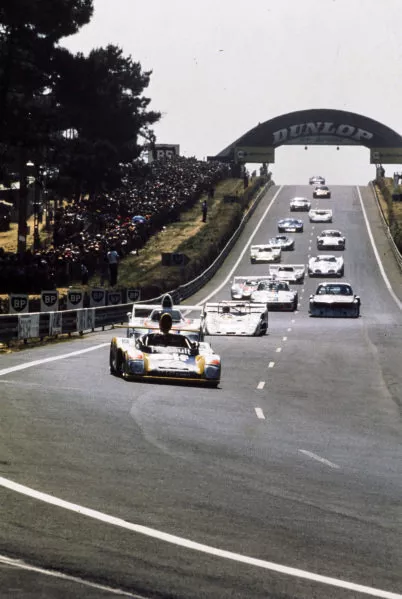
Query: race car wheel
x=116 y=363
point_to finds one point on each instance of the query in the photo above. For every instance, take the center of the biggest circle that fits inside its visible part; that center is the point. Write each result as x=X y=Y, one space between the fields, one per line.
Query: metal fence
x=51 y=324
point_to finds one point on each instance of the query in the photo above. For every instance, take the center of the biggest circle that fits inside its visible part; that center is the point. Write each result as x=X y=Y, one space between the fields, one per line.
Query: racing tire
x=116 y=364
x=341 y=273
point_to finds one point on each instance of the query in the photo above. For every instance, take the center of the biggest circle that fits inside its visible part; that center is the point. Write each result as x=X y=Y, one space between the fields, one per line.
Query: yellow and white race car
x=168 y=354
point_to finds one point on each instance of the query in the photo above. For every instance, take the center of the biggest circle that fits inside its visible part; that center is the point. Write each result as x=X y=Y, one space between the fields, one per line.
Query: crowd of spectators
x=86 y=228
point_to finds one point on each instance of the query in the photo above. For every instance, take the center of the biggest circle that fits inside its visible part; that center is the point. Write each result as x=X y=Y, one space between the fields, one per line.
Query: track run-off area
x=285 y=482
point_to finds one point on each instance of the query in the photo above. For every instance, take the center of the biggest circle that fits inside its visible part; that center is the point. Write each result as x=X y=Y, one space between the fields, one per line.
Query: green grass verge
x=392 y=210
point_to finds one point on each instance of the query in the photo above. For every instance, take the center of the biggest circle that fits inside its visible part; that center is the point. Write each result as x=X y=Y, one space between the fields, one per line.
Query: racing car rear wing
x=296 y=268
x=141 y=310
x=249 y=307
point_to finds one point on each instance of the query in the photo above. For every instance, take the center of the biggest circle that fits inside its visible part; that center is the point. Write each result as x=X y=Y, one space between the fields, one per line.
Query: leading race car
x=326 y=265
x=283 y=241
x=146 y=317
x=299 y=205
x=331 y=239
x=242 y=287
x=320 y=216
x=334 y=299
x=292 y=273
x=316 y=180
x=290 y=225
x=235 y=318
x=264 y=253
x=277 y=295
x=170 y=355
x=321 y=191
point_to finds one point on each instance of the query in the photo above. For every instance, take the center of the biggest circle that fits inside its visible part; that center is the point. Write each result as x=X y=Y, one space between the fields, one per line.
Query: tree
x=102 y=102
x=29 y=33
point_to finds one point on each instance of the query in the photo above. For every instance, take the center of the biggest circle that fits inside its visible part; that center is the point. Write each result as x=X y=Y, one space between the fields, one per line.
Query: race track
x=295 y=461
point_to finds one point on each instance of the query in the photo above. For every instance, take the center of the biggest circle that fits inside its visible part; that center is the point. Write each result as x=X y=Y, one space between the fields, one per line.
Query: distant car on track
x=320 y=215
x=321 y=191
x=317 y=180
x=334 y=300
x=277 y=295
x=264 y=253
x=299 y=205
x=292 y=273
x=290 y=225
x=242 y=287
x=283 y=241
x=235 y=318
x=326 y=265
x=331 y=239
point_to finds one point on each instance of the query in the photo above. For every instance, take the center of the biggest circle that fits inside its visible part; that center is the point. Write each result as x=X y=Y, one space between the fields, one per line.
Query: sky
x=219 y=67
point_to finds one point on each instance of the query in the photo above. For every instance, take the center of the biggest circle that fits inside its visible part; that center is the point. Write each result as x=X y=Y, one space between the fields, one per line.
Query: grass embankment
x=392 y=210
x=201 y=242
x=8 y=239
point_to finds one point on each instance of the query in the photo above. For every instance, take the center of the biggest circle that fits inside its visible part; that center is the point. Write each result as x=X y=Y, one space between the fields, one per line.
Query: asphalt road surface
x=285 y=482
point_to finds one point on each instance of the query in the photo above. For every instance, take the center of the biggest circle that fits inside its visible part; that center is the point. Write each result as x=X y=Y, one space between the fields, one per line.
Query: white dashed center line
x=260 y=413
x=314 y=456
x=284 y=338
x=278 y=349
x=261 y=385
x=271 y=364
x=289 y=329
x=293 y=321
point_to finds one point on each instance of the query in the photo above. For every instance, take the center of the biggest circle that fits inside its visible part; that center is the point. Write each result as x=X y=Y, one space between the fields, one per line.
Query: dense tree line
x=80 y=119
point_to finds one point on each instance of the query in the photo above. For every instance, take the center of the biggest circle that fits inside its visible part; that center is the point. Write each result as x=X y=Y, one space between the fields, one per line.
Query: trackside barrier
x=50 y=324
x=396 y=252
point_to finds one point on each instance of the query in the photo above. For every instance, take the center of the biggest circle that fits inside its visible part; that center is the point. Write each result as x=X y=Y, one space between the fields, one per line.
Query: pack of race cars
x=167 y=342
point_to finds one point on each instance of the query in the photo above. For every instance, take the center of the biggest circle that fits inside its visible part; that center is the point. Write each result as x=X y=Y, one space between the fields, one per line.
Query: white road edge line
x=261 y=385
x=16 y=563
x=207 y=549
x=4 y=371
x=376 y=254
x=260 y=413
x=314 y=456
x=250 y=240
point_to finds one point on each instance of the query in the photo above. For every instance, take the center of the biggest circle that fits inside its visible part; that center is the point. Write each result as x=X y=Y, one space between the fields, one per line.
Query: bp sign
x=75 y=299
x=19 y=303
x=49 y=301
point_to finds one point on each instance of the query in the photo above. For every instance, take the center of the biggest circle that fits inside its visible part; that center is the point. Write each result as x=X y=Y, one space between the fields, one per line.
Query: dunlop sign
x=97 y=297
x=75 y=299
x=322 y=132
x=49 y=301
x=19 y=303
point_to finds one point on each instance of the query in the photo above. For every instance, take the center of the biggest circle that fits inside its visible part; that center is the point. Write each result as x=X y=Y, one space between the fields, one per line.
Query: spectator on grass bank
x=113 y=261
x=84 y=274
x=104 y=270
x=204 y=209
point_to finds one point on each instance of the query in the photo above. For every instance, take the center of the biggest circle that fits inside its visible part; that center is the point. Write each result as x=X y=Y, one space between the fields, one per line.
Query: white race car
x=320 y=216
x=317 y=180
x=292 y=273
x=146 y=317
x=331 y=239
x=334 y=299
x=283 y=241
x=264 y=253
x=299 y=205
x=242 y=287
x=321 y=191
x=235 y=318
x=277 y=295
x=326 y=265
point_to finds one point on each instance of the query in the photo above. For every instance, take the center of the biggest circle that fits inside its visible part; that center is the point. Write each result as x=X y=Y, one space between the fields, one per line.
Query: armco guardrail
x=396 y=252
x=50 y=324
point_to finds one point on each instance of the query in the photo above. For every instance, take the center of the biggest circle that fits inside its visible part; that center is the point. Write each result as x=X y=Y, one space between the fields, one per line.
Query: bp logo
x=114 y=298
x=49 y=300
x=133 y=295
x=18 y=303
x=75 y=297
